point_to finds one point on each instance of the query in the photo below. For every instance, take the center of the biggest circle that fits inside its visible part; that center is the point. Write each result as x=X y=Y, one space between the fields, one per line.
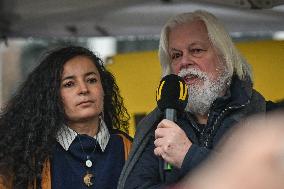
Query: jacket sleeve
x=193 y=158
x=148 y=173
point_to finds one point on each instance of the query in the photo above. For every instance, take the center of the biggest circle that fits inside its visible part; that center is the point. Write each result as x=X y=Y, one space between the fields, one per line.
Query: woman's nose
x=83 y=88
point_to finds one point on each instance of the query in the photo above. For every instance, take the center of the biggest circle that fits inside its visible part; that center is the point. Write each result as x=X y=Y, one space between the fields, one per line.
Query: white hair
x=218 y=36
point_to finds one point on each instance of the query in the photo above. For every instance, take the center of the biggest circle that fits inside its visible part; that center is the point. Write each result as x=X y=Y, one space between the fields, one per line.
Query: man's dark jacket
x=239 y=102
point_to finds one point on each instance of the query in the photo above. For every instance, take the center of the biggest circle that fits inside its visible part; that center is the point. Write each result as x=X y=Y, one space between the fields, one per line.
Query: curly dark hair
x=31 y=119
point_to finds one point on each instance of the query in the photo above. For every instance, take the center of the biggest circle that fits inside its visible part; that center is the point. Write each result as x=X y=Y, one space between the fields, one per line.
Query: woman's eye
x=68 y=84
x=92 y=80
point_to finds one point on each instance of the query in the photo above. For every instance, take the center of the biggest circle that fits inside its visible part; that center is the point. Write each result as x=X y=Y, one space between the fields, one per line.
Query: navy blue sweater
x=68 y=167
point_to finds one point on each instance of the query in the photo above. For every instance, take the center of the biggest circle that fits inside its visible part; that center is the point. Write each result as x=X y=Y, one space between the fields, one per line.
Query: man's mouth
x=189 y=78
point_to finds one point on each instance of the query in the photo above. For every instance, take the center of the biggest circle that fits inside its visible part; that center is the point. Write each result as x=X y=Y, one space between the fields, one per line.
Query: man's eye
x=196 y=51
x=175 y=56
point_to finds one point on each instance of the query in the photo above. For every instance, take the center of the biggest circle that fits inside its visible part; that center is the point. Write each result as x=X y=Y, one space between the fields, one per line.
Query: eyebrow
x=190 y=45
x=85 y=75
x=174 y=49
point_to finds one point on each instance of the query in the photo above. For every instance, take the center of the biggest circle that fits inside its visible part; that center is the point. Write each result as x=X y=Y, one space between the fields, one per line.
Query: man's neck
x=201 y=119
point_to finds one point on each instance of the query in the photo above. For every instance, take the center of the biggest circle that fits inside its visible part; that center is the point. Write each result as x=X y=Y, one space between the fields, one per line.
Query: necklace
x=88 y=161
x=88 y=177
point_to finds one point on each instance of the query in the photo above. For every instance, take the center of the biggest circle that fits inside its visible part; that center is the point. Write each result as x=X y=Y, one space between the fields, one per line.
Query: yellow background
x=138 y=74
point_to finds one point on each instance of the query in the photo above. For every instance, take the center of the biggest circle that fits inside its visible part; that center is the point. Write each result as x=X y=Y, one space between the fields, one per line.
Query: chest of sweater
x=68 y=167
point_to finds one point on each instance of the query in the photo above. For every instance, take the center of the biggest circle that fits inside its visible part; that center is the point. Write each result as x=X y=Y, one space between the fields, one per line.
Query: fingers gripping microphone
x=171 y=96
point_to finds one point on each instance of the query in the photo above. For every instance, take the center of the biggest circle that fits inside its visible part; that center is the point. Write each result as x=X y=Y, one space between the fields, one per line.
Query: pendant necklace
x=88 y=177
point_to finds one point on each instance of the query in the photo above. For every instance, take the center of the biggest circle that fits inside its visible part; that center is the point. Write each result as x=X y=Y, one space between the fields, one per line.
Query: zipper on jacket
x=221 y=115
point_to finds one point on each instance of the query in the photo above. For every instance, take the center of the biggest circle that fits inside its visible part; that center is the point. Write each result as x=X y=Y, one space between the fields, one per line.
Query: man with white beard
x=202 y=95
x=196 y=47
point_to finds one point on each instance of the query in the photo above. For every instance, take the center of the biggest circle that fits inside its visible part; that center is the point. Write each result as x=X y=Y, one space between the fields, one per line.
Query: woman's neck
x=89 y=127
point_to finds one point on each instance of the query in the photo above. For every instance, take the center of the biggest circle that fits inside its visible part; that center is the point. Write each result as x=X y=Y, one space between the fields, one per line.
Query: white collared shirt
x=66 y=135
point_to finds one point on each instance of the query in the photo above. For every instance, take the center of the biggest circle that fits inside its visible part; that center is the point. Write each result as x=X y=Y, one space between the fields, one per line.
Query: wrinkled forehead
x=191 y=31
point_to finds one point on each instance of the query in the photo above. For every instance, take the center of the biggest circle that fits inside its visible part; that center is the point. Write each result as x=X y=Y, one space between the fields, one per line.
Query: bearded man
x=196 y=47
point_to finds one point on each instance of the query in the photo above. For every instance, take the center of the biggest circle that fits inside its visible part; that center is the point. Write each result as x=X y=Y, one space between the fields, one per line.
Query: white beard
x=201 y=96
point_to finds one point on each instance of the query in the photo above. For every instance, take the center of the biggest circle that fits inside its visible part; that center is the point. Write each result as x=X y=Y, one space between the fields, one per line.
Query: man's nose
x=186 y=60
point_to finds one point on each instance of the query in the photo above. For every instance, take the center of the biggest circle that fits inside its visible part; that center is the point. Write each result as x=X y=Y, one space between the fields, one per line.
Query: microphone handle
x=170 y=114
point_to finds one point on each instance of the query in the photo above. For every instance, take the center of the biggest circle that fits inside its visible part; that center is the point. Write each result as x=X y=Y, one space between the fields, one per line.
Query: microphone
x=171 y=96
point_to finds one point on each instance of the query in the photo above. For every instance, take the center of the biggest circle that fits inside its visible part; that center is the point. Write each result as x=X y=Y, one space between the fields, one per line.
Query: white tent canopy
x=91 y=18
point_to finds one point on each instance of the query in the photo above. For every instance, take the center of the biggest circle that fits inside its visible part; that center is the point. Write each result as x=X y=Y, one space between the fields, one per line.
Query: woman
x=61 y=129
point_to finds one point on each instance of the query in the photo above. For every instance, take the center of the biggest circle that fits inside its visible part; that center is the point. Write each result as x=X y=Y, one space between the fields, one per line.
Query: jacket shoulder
x=127 y=142
x=149 y=120
x=6 y=182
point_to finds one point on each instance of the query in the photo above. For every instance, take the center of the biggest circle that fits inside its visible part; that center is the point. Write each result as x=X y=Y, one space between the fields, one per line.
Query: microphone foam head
x=172 y=93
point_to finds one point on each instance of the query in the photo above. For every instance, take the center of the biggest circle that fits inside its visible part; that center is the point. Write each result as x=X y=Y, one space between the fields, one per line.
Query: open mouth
x=189 y=78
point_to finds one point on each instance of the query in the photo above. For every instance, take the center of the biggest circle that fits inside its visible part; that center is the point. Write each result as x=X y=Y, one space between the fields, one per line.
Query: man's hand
x=171 y=143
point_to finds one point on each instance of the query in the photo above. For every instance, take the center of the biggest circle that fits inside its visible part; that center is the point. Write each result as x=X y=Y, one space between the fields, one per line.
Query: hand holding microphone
x=171 y=141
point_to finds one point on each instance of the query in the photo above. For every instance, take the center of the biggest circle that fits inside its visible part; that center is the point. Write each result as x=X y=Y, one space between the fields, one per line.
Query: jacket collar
x=239 y=93
x=66 y=136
